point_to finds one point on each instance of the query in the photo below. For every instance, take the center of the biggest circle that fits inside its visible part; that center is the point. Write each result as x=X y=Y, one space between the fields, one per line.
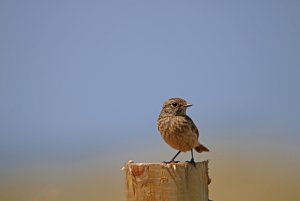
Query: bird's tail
x=201 y=148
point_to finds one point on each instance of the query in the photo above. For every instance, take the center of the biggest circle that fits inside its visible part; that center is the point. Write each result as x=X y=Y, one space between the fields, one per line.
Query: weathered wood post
x=166 y=182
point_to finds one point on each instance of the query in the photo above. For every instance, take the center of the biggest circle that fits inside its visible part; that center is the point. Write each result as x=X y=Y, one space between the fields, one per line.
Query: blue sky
x=83 y=77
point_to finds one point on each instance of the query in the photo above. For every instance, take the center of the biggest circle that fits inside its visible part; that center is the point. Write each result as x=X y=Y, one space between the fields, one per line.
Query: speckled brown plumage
x=177 y=129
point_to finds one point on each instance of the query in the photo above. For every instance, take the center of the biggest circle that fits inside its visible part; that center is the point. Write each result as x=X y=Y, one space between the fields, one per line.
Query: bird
x=178 y=129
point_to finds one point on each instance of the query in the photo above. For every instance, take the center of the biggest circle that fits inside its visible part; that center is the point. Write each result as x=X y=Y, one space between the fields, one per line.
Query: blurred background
x=82 y=84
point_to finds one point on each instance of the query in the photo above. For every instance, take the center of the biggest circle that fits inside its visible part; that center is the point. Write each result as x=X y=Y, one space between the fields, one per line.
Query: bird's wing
x=192 y=125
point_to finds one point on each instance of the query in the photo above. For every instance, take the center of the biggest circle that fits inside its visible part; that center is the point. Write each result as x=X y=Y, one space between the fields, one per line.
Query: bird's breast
x=177 y=132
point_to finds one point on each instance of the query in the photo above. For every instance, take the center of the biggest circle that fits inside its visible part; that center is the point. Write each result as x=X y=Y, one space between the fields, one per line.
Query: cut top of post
x=166 y=182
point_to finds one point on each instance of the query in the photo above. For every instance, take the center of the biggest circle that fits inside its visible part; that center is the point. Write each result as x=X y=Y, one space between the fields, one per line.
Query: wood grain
x=166 y=182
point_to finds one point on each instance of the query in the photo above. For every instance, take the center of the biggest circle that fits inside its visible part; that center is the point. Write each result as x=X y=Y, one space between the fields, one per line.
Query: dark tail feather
x=200 y=148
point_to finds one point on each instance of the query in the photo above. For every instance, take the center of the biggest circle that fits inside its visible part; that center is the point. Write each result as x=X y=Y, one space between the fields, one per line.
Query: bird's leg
x=192 y=159
x=173 y=159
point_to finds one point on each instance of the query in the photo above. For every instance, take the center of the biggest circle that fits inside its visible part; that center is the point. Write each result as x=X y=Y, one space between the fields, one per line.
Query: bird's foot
x=192 y=162
x=172 y=161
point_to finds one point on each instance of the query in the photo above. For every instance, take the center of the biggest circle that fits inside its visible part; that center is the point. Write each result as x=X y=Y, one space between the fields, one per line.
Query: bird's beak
x=188 y=105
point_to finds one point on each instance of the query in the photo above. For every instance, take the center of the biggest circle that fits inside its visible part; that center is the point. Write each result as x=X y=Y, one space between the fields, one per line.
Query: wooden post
x=166 y=182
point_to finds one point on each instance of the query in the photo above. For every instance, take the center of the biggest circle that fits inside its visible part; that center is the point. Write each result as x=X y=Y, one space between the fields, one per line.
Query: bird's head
x=175 y=107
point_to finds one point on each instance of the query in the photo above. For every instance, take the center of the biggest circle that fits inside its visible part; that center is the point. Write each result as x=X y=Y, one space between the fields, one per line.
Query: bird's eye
x=174 y=104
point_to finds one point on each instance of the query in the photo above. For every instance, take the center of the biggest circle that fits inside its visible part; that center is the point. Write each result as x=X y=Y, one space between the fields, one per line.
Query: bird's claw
x=168 y=162
x=192 y=162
